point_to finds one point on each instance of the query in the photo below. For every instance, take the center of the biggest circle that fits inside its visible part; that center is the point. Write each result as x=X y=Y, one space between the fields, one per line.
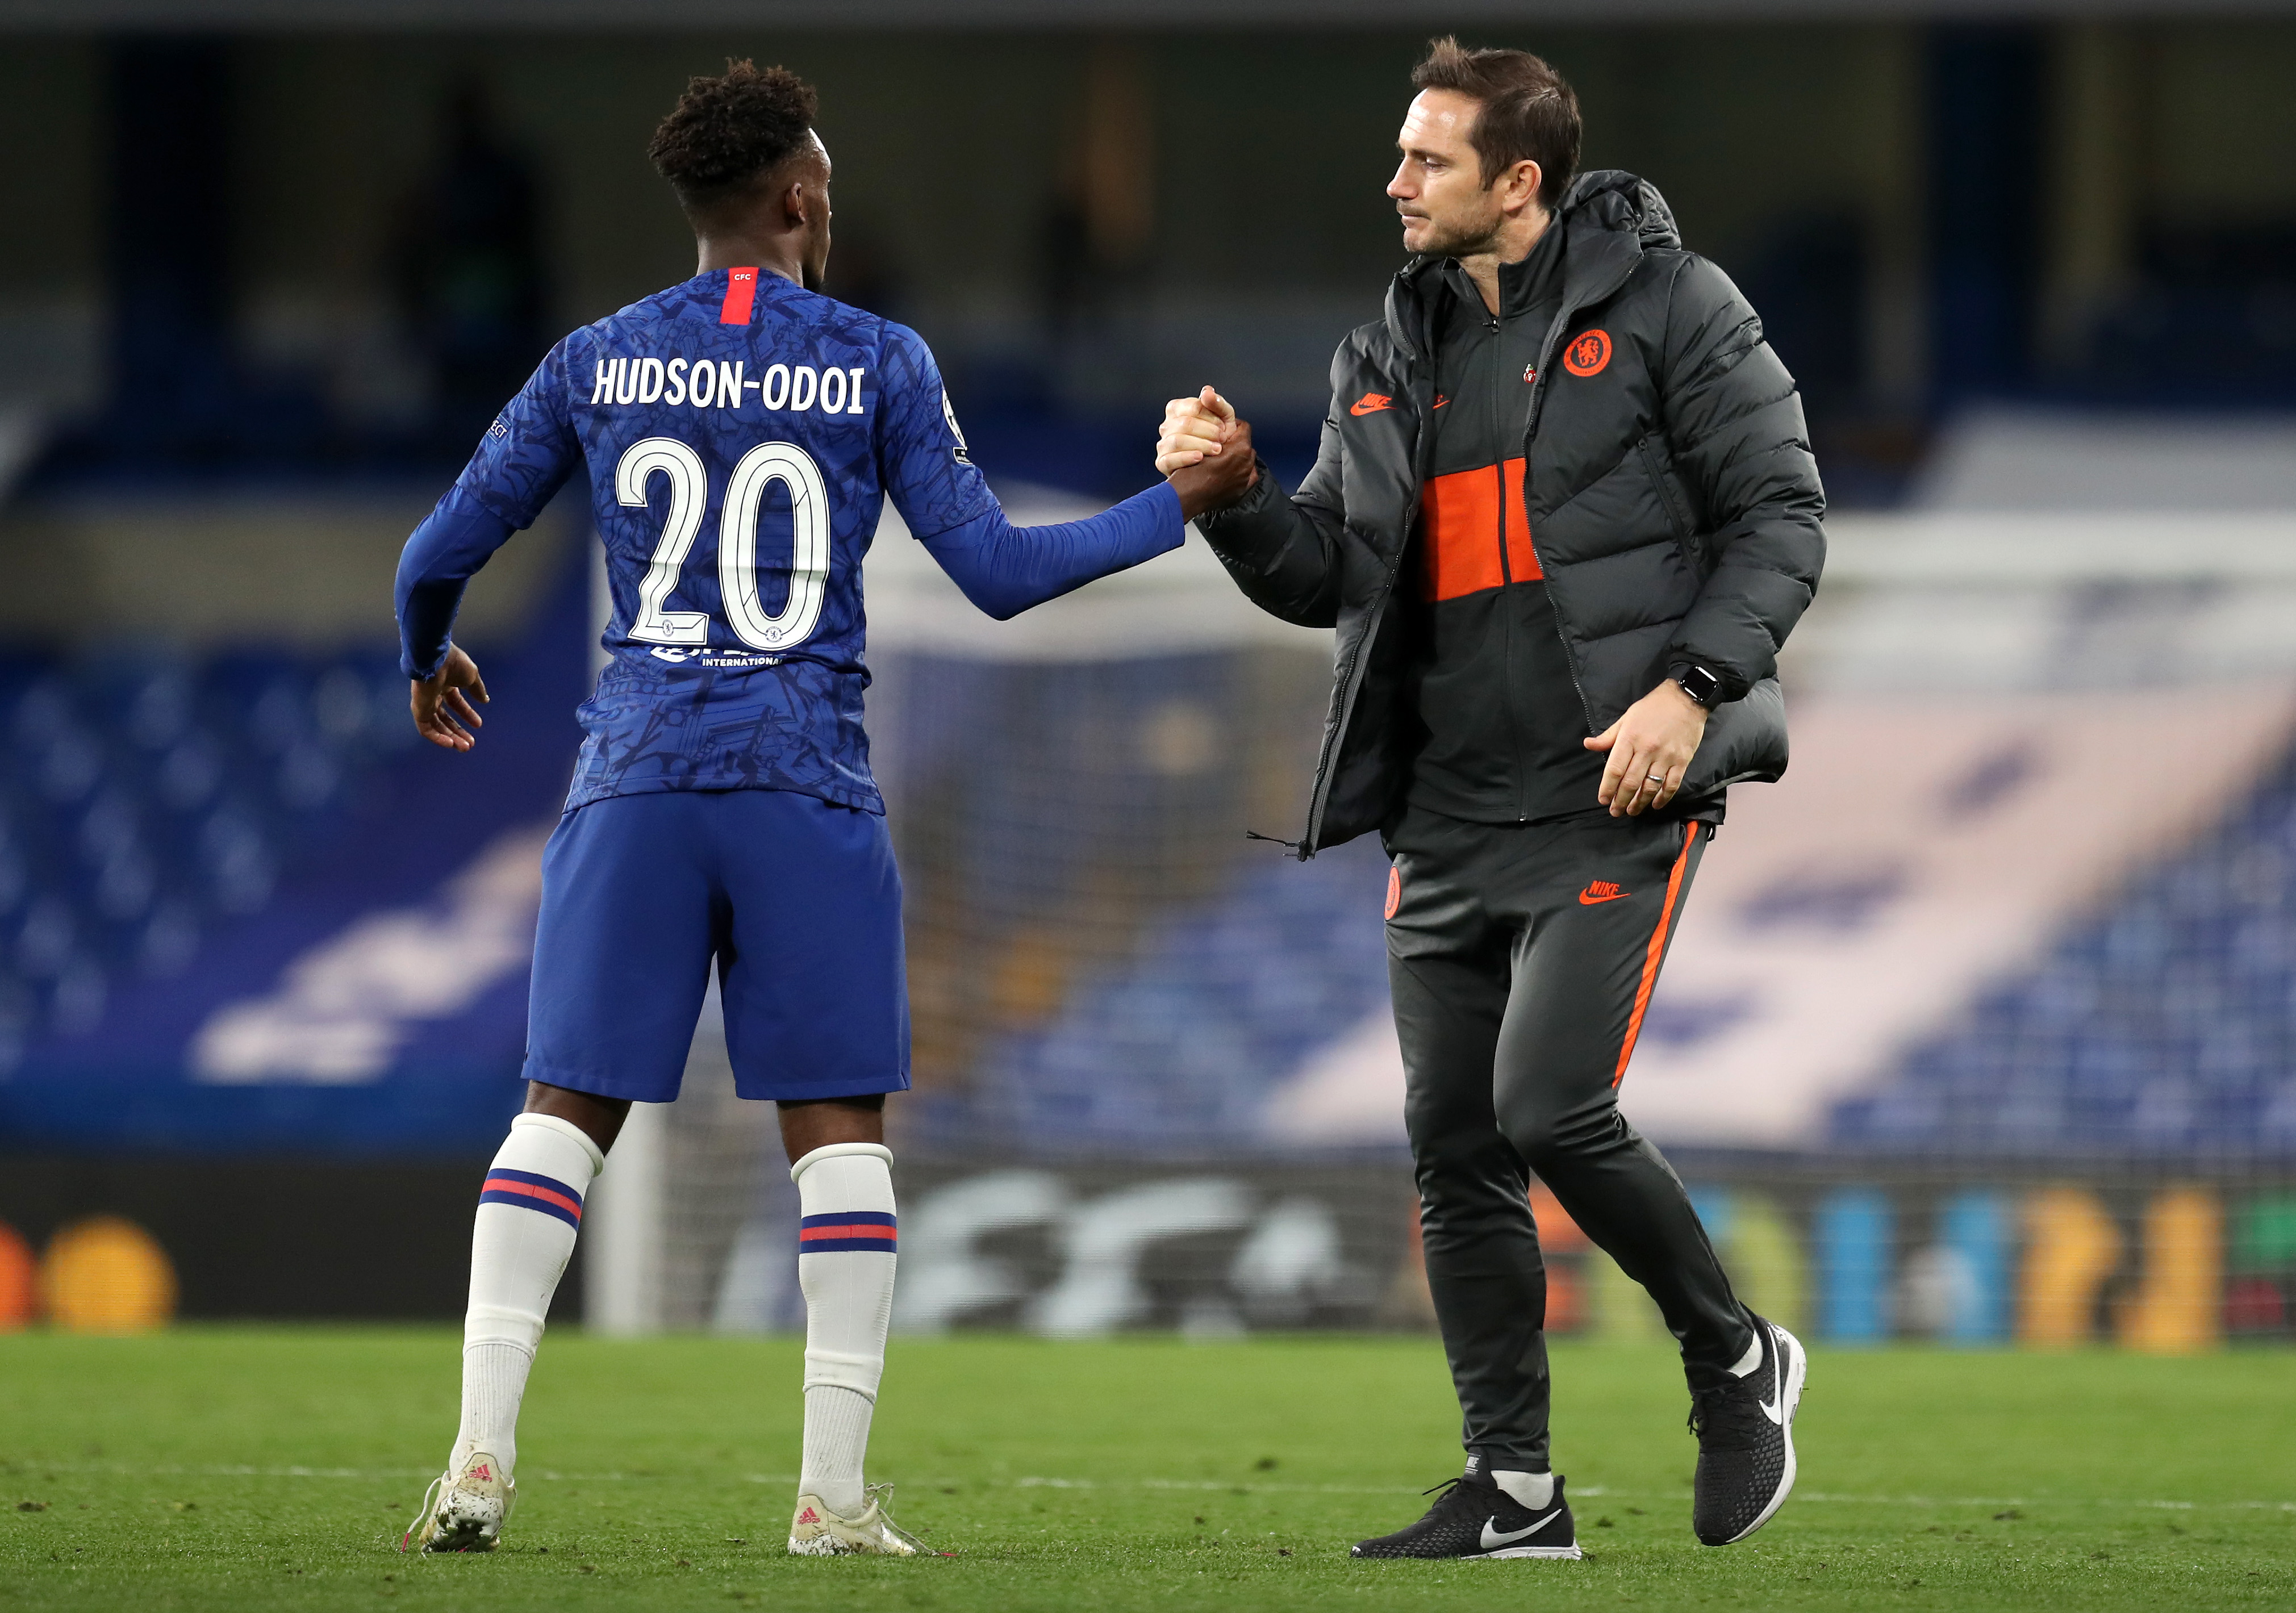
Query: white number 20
x=737 y=541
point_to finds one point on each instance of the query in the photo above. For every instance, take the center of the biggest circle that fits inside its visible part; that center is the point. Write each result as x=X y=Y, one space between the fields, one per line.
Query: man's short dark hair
x=725 y=133
x=1528 y=111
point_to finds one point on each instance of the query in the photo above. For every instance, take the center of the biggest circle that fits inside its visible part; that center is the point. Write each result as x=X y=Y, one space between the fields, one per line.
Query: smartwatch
x=1698 y=683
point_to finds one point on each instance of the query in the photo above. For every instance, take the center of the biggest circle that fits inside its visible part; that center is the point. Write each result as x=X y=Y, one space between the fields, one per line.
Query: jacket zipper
x=1507 y=669
x=1496 y=328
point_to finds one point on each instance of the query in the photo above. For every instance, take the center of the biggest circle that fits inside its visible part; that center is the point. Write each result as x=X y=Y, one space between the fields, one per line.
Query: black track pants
x=1522 y=958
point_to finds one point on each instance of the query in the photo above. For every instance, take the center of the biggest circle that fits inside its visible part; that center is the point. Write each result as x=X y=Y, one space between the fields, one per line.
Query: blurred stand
x=468 y=269
x=271 y=254
x=1982 y=1024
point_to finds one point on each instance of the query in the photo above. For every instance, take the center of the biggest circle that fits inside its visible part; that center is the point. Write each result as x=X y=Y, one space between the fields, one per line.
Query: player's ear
x=1521 y=183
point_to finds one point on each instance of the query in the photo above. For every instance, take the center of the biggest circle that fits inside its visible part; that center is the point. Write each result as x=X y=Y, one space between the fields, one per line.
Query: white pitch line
x=24 y=1469
x=1590 y=1491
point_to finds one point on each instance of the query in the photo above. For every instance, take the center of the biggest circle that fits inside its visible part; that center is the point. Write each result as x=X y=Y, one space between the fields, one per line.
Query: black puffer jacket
x=1670 y=490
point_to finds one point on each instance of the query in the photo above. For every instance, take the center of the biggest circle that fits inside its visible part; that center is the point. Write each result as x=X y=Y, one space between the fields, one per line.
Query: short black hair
x=727 y=132
x=1528 y=111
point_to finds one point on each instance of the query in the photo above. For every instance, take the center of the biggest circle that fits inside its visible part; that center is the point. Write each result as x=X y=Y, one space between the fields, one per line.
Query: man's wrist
x=1682 y=697
x=1236 y=501
x=1700 y=684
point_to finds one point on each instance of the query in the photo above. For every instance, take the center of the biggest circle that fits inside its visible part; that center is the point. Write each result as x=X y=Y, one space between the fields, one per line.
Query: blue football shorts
x=795 y=900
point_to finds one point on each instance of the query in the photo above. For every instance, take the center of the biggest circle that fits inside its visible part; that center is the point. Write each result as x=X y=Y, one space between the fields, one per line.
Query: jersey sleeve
x=1006 y=569
x=530 y=450
x=521 y=462
x=923 y=464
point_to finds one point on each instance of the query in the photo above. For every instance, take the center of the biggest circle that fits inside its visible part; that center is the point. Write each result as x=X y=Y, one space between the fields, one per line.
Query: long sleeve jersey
x=741 y=437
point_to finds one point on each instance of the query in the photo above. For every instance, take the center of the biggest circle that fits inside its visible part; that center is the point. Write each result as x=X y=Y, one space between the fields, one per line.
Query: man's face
x=816 y=246
x=1439 y=187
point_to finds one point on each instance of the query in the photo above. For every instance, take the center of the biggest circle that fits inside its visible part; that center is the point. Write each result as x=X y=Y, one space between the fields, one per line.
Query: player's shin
x=846 y=1259
x=528 y=1213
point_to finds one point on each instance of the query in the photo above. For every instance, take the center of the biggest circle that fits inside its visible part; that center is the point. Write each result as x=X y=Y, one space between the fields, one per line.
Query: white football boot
x=464 y=1511
x=817 y=1532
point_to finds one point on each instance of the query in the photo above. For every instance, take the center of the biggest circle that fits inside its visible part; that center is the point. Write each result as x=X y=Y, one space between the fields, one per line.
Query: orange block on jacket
x=1459 y=528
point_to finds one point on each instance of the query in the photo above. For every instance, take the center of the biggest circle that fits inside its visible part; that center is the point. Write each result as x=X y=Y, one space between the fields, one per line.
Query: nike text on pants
x=1522 y=958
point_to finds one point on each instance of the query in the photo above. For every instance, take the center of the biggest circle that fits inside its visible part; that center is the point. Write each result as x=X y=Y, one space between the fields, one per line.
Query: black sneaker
x=1745 y=1441
x=1474 y=1518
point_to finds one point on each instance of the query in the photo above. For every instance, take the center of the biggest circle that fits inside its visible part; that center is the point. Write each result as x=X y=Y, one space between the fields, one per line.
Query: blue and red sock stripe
x=528 y=1190
x=850 y=1233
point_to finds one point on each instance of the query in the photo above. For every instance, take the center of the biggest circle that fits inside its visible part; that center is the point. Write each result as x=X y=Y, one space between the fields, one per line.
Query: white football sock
x=527 y=1214
x=846 y=1233
x=1530 y=1490
x=1752 y=1359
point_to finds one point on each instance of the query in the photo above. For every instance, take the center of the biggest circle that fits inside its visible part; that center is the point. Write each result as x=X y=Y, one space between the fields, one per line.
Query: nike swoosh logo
x=1774 y=1408
x=1370 y=403
x=1585 y=900
x=1493 y=1540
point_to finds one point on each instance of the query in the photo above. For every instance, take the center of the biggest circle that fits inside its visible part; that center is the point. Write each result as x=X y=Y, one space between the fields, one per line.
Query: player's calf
x=528 y=1211
x=847 y=1237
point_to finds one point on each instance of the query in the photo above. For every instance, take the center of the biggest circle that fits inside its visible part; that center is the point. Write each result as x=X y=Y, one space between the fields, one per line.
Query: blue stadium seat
x=155 y=796
x=1179 y=1047
x=2162 y=1028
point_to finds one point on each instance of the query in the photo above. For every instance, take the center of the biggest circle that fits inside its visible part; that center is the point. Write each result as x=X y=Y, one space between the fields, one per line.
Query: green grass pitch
x=250 y=1469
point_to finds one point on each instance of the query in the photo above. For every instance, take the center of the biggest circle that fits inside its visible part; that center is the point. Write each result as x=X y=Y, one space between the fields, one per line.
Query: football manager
x=1564 y=515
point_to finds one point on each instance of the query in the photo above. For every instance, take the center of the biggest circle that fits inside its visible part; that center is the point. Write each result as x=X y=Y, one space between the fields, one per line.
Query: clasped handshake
x=1205 y=452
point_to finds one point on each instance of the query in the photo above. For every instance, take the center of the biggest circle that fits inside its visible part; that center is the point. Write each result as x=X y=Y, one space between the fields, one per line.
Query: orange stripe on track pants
x=1656 y=953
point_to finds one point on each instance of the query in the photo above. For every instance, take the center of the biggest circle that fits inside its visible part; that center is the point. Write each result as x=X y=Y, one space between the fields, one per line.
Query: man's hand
x=1651 y=748
x=1205 y=452
x=442 y=712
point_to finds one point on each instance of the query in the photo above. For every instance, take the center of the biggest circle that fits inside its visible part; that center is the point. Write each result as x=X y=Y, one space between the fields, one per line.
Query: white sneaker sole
x=1794 y=1361
x=1559 y=1552
x=829 y=1545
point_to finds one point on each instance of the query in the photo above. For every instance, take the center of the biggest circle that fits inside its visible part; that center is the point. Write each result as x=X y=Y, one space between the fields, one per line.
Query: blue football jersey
x=741 y=435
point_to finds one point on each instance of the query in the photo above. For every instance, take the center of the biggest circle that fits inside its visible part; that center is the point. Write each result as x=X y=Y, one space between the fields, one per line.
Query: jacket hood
x=1611 y=199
